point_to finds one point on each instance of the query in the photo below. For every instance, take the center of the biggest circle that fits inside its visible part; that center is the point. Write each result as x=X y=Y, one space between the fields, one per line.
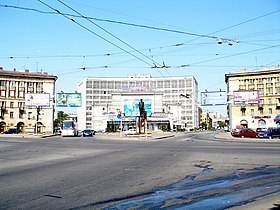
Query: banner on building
x=37 y=99
x=68 y=100
x=213 y=98
x=131 y=107
x=246 y=97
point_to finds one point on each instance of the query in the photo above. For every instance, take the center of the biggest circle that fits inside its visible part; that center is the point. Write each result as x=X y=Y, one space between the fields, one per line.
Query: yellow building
x=17 y=112
x=254 y=98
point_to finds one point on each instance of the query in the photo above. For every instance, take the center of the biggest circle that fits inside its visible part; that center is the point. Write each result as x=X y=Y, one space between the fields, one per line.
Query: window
x=160 y=84
x=181 y=83
x=21 y=94
x=260 y=80
x=104 y=84
x=39 y=85
x=269 y=101
x=268 y=80
x=111 y=84
x=261 y=101
x=241 y=82
x=3 y=93
x=96 y=84
x=12 y=104
x=243 y=112
x=131 y=84
x=21 y=84
x=21 y=104
x=269 y=90
x=29 y=115
x=261 y=111
x=117 y=84
x=12 y=83
x=278 y=90
x=20 y=114
x=251 y=81
x=30 y=84
x=174 y=84
x=261 y=91
x=3 y=83
x=89 y=84
x=270 y=111
x=12 y=93
x=252 y=112
x=11 y=115
x=167 y=84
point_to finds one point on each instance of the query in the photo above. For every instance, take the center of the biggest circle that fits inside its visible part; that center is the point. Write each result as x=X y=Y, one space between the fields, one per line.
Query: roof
x=245 y=73
x=26 y=73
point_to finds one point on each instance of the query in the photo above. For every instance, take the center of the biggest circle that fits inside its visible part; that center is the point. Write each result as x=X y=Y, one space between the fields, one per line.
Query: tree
x=60 y=117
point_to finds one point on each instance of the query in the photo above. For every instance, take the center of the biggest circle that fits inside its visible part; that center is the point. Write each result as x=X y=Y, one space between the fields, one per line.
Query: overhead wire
x=236 y=54
x=94 y=33
x=180 y=44
x=81 y=15
x=122 y=23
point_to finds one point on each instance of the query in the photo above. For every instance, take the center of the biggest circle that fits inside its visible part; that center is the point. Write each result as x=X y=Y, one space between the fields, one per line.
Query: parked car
x=244 y=132
x=11 y=131
x=270 y=133
x=130 y=132
x=261 y=130
x=88 y=133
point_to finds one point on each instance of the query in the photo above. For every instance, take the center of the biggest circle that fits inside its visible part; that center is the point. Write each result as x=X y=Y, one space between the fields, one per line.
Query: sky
x=73 y=39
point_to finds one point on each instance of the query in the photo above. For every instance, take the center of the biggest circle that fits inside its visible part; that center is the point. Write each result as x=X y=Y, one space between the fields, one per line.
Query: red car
x=244 y=132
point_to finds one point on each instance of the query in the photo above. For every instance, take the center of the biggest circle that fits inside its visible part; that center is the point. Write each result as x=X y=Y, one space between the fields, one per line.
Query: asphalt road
x=187 y=171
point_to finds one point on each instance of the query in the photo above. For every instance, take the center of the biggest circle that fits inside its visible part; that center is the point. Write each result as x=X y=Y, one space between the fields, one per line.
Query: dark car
x=270 y=133
x=11 y=131
x=244 y=132
x=88 y=133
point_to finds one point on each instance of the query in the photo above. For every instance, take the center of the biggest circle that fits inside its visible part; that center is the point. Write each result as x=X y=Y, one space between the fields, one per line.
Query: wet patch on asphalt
x=234 y=189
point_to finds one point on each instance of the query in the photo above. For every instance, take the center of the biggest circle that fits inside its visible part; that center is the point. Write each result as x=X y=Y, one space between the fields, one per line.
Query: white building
x=114 y=101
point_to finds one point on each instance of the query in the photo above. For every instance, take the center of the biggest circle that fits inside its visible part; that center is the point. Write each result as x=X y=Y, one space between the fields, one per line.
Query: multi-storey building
x=14 y=87
x=254 y=97
x=171 y=102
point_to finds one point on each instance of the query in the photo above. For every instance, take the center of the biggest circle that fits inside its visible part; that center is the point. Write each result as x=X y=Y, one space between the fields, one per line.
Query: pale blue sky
x=54 y=44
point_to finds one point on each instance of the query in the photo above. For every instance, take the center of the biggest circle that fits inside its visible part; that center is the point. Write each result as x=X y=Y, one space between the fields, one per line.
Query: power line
x=107 y=31
x=228 y=56
x=124 y=23
x=94 y=33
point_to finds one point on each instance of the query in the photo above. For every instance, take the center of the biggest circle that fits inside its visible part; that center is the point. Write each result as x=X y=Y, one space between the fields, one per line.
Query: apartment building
x=170 y=102
x=18 y=111
x=254 y=97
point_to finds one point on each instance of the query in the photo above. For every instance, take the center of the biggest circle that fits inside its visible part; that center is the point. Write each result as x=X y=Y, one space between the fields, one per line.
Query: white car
x=130 y=131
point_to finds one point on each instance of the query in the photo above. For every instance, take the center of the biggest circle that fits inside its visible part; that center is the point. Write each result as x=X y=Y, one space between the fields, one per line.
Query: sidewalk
x=31 y=135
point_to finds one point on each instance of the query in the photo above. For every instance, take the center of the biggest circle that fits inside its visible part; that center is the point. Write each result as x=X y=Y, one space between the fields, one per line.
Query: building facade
x=15 y=86
x=254 y=98
x=170 y=102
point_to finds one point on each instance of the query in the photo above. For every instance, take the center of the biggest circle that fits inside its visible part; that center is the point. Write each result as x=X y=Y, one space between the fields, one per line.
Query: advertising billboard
x=131 y=107
x=213 y=98
x=68 y=100
x=37 y=99
x=246 y=97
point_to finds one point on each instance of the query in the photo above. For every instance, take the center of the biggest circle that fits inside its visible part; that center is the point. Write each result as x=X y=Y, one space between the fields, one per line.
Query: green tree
x=60 y=117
